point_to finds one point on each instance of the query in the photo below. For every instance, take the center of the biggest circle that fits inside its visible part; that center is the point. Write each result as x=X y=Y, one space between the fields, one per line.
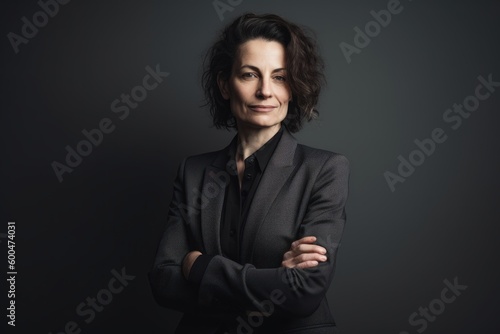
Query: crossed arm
x=303 y=253
x=303 y=277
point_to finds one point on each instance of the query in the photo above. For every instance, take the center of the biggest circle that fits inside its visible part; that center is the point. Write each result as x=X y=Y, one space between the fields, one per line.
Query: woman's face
x=257 y=89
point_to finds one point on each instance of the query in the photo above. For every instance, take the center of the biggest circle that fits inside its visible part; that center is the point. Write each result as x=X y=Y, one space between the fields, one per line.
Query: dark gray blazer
x=302 y=192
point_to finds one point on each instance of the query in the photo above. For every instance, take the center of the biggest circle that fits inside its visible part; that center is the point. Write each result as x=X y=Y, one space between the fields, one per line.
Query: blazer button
x=249 y=176
x=232 y=233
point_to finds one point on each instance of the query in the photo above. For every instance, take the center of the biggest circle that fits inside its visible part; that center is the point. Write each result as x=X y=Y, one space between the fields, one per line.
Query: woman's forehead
x=259 y=52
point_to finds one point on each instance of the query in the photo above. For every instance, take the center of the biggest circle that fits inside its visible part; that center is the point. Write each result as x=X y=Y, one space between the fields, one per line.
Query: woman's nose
x=264 y=90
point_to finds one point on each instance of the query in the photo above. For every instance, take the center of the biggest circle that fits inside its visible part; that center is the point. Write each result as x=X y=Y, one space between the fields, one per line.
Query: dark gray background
x=109 y=213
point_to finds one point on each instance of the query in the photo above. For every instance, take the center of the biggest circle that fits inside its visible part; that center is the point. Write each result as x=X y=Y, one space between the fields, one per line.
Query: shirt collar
x=263 y=154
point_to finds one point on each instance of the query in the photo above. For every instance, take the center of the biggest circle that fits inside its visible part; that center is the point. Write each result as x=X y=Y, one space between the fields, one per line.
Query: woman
x=253 y=229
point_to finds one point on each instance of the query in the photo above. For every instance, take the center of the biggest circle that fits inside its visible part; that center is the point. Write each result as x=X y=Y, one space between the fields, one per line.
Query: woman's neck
x=251 y=139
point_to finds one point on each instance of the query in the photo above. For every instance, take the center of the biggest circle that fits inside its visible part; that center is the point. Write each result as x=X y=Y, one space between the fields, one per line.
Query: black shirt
x=237 y=202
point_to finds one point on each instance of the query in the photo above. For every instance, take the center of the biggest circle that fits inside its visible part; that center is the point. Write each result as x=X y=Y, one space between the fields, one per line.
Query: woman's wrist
x=188 y=261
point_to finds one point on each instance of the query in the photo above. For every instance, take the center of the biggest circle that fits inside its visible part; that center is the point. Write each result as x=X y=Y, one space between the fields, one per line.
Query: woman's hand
x=304 y=254
x=188 y=261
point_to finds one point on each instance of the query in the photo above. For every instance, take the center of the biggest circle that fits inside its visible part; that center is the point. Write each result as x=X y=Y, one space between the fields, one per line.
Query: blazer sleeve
x=301 y=290
x=169 y=287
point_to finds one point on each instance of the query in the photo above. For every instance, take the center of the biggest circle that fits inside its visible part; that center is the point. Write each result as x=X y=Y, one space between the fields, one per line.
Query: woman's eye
x=280 y=78
x=249 y=75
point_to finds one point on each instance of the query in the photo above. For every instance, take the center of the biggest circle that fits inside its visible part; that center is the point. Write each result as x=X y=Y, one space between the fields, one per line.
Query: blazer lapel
x=275 y=175
x=213 y=190
x=277 y=172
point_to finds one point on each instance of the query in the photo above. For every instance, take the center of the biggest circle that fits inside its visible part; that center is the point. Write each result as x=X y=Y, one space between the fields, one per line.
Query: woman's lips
x=262 y=108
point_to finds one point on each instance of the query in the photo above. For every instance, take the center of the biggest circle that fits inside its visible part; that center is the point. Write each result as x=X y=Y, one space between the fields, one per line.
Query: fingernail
x=323 y=258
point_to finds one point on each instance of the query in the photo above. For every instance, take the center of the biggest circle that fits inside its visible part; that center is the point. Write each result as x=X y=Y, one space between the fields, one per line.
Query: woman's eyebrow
x=256 y=69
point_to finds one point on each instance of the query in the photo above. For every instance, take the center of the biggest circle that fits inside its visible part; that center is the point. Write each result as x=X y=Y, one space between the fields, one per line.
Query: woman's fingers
x=297 y=264
x=308 y=257
x=304 y=240
x=304 y=253
x=307 y=264
x=305 y=248
x=318 y=250
x=305 y=244
x=303 y=260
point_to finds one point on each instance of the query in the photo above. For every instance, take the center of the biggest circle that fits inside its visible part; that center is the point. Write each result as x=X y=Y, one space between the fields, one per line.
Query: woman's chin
x=260 y=122
x=260 y=125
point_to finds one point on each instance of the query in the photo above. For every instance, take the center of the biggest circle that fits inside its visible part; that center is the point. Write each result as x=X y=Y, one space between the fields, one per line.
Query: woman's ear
x=223 y=86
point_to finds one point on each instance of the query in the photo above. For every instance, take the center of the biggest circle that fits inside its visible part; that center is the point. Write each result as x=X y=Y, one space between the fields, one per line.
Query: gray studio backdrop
x=412 y=100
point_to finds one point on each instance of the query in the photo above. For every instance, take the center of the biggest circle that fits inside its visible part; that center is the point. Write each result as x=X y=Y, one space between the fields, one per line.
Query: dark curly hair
x=303 y=63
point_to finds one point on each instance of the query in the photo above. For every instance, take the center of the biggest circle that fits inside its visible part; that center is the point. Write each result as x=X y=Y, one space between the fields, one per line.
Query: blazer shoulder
x=321 y=157
x=202 y=157
x=201 y=160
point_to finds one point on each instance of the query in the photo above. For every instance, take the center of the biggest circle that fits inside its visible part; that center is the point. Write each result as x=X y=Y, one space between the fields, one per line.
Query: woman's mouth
x=262 y=108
